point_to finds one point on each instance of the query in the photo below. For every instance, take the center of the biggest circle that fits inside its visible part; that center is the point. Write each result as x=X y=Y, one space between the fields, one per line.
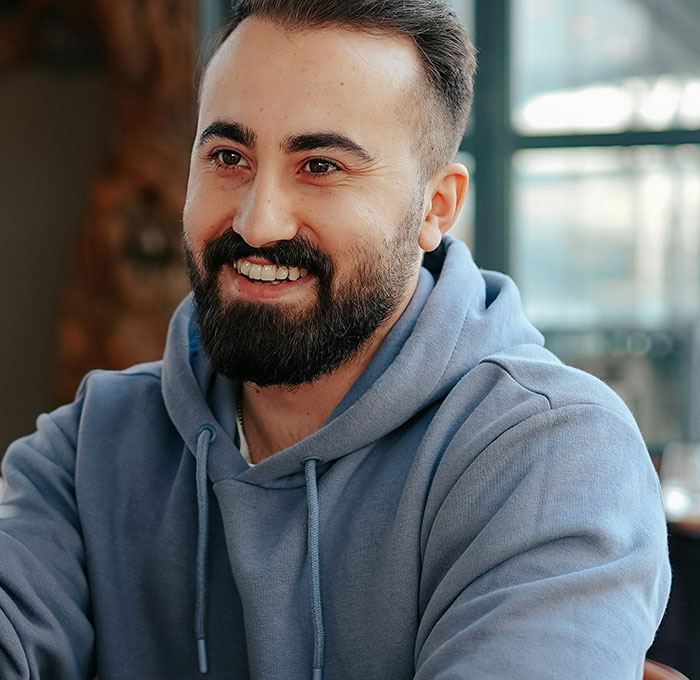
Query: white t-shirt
x=245 y=451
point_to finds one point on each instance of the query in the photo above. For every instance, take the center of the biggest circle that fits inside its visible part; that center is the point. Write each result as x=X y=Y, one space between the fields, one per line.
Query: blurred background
x=584 y=150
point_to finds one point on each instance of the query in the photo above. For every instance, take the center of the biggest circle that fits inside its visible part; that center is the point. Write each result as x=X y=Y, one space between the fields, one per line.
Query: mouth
x=268 y=274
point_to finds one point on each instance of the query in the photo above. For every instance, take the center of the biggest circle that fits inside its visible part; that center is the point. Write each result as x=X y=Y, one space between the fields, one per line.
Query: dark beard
x=277 y=344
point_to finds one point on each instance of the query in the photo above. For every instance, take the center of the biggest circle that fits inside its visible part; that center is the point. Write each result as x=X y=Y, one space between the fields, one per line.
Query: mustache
x=296 y=252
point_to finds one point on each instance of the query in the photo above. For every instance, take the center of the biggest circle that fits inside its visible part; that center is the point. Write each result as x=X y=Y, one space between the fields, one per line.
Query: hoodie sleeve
x=45 y=631
x=547 y=556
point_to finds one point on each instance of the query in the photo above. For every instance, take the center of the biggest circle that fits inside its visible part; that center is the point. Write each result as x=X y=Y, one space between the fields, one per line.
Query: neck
x=276 y=418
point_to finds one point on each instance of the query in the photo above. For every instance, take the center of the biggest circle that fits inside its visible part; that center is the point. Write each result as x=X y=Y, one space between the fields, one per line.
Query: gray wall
x=52 y=141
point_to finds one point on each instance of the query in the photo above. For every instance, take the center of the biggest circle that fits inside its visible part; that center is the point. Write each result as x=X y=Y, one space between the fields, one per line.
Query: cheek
x=350 y=211
x=345 y=231
x=205 y=214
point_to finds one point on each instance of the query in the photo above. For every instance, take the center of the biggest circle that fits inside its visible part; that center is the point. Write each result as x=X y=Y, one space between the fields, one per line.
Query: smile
x=268 y=273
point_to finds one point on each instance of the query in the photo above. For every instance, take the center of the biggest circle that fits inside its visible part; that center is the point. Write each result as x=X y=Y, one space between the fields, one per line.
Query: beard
x=289 y=344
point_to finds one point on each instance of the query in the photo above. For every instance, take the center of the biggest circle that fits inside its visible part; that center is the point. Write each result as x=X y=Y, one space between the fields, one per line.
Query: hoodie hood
x=457 y=316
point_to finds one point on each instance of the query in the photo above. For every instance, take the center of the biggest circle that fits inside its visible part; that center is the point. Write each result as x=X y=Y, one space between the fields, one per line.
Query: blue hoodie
x=472 y=509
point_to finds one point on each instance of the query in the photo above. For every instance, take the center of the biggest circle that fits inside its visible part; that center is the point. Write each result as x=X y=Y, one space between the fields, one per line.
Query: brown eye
x=229 y=157
x=318 y=166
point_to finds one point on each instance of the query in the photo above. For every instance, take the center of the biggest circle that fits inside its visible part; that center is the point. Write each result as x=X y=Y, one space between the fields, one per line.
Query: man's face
x=304 y=202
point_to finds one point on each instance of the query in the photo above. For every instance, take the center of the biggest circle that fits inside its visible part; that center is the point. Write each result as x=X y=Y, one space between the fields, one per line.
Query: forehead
x=285 y=82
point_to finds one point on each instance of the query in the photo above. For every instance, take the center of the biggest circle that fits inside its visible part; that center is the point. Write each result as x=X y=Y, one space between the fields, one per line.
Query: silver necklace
x=239 y=410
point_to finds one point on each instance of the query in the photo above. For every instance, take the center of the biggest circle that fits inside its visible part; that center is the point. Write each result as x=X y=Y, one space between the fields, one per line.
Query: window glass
x=605 y=65
x=606 y=236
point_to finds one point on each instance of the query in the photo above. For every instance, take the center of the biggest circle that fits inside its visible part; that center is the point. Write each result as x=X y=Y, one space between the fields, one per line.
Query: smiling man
x=356 y=459
x=308 y=209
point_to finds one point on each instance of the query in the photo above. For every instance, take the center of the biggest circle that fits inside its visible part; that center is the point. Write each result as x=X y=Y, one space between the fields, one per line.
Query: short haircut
x=446 y=54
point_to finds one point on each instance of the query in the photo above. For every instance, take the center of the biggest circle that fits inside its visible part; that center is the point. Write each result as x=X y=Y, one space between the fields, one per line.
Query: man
x=348 y=465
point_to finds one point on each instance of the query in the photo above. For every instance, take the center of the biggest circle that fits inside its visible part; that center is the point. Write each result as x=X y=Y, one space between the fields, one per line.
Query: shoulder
x=528 y=382
x=102 y=401
x=103 y=389
x=113 y=398
x=522 y=413
x=539 y=440
x=134 y=378
x=540 y=372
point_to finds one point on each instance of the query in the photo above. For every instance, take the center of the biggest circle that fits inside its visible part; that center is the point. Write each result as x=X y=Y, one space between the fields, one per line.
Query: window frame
x=493 y=141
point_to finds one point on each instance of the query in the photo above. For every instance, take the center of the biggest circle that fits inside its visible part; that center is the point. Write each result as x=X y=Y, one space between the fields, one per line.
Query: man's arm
x=45 y=631
x=547 y=556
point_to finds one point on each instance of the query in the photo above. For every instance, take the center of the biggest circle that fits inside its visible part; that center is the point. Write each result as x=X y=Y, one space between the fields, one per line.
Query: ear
x=445 y=193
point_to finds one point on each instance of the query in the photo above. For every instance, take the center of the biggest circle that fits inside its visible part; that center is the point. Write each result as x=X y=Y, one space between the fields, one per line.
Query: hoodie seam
x=551 y=412
x=506 y=370
x=556 y=409
x=552 y=407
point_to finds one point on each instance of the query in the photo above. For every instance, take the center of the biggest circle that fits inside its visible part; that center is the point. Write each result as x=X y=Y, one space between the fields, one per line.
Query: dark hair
x=446 y=53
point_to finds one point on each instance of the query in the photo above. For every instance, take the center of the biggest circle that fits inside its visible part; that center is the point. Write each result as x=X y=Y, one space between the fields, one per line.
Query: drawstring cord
x=205 y=437
x=313 y=547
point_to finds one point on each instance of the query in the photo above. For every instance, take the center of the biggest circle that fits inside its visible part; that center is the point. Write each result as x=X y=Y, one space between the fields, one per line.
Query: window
x=605 y=65
x=569 y=96
x=605 y=236
x=586 y=148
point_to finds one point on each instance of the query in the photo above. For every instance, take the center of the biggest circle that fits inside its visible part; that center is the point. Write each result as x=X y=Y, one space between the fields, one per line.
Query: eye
x=228 y=158
x=320 y=166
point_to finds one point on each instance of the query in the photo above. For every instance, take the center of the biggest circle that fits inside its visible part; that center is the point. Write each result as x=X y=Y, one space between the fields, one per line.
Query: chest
x=142 y=568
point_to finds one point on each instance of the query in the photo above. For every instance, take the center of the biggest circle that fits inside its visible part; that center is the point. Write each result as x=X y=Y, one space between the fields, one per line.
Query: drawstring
x=313 y=546
x=205 y=437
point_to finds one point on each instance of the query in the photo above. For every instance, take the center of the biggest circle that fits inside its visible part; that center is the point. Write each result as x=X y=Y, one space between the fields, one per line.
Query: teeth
x=268 y=272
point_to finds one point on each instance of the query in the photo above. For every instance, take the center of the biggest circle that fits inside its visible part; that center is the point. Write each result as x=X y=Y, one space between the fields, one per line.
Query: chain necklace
x=239 y=410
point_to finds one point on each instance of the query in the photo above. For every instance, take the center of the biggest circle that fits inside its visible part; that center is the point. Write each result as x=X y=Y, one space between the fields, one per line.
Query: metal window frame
x=492 y=140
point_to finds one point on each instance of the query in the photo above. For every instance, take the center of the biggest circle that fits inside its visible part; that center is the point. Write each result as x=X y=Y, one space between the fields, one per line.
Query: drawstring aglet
x=202 y=656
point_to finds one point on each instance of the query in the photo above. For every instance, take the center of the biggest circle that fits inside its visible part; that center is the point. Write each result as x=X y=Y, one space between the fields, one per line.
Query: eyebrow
x=292 y=144
x=233 y=131
x=325 y=140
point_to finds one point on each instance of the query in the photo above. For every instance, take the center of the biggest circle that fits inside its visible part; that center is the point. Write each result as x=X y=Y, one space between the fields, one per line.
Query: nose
x=266 y=214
